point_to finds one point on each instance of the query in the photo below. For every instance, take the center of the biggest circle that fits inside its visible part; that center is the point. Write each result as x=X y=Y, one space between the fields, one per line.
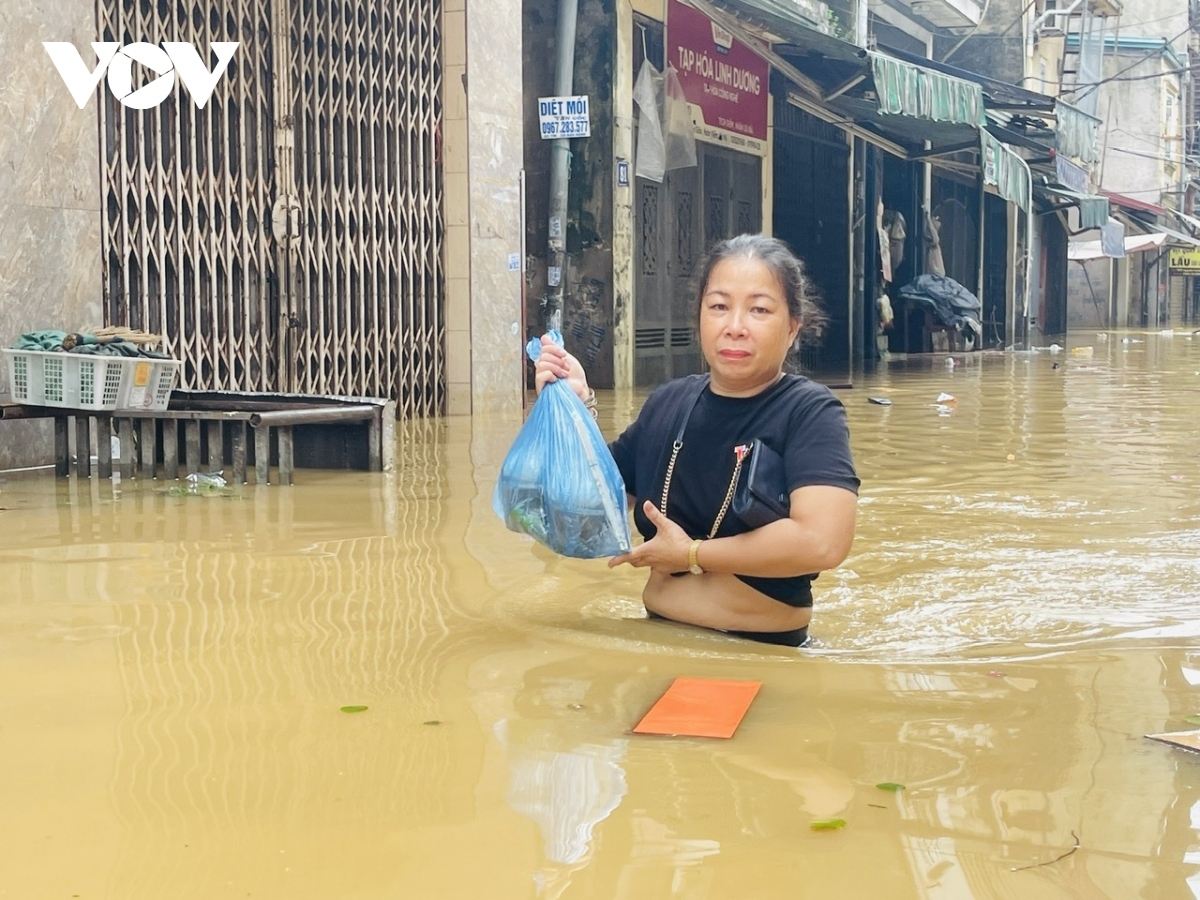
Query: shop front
x=698 y=174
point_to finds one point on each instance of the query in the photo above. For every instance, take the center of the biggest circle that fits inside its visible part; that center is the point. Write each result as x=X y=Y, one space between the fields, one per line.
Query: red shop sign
x=719 y=74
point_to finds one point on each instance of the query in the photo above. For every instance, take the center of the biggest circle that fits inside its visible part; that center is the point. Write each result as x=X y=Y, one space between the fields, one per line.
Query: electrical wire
x=1093 y=85
x=1180 y=72
x=1020 y=17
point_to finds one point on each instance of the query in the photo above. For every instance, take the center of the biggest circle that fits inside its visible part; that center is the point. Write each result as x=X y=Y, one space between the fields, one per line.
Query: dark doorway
x=1052 y=312
x=956 y=210
x=811 y=214
x=901 y=189
x=675 y=223
x=995 y=271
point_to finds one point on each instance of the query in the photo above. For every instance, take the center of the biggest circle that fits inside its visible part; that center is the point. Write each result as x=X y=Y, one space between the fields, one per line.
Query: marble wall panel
x=495 y=116
x=50 y=275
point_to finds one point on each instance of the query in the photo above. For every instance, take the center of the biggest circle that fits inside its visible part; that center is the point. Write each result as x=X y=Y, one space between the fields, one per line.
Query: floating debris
x=945 y=404
x=199 y=489
x=828 y=825
x=1051 y=862
x=216 y=479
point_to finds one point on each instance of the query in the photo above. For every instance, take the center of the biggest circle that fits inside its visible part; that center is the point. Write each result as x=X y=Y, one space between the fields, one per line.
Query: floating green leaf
x=890 y=786
x=1193 y=720
x=828 y=825
x=354 y=709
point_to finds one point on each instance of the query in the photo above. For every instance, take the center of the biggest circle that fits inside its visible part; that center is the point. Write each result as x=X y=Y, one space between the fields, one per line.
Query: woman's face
x=745 y=327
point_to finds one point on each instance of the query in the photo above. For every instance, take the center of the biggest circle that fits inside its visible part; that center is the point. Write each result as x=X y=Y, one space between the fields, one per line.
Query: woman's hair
x=783 y=264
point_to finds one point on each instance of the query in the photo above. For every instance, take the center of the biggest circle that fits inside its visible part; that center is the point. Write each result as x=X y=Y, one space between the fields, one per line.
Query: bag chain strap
x=740 y=452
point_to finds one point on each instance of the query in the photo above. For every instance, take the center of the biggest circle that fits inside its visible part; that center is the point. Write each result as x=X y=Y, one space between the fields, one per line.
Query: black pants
x=795 y=638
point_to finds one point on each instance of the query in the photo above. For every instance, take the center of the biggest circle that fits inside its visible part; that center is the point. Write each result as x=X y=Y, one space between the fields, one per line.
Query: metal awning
x=1093 y=209
x=913 y=104
x=996 y=94
x=1081 y=251
x=910 y=103
x=1178 y=238
x=833 y=73
x=1133 y=203
x=786 y=20
x=919 y=92
x=1189 y=221
x=811 y=94
x=1007 y=170
x=1075 y=132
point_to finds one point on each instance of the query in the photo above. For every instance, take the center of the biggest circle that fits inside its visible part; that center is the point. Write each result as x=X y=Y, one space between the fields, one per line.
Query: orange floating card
x=1188 y=740
x=700 y=707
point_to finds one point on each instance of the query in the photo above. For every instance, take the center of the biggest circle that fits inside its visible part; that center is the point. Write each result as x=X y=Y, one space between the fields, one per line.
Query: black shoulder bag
x=757 y=491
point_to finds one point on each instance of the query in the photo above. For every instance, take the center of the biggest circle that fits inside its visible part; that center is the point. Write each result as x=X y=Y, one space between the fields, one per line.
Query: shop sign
x=724 y=80
x=1185 y=261
x=564 y=117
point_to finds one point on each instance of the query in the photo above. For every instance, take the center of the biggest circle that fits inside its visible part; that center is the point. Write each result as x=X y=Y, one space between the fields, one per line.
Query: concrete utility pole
x=560 y=169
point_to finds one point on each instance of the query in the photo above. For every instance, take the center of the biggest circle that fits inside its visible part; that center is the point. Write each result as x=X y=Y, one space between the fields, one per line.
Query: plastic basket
x=149 y=383
x=73 y=380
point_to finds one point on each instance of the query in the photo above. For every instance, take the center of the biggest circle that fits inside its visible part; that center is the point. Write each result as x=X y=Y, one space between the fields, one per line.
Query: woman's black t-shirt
x=799 y=419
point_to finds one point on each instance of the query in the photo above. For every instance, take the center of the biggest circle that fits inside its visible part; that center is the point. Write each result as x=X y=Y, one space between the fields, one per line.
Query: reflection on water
x=1018 y=611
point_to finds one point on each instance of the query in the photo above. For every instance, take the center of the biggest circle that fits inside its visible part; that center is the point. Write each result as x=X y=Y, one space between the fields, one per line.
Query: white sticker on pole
x=564 y=117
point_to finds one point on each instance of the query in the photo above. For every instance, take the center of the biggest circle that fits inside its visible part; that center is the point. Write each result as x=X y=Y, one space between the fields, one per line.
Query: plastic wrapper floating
x=559 y=484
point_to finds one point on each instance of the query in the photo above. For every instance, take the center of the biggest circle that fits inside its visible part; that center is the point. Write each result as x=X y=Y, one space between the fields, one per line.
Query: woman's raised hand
x=554 y=363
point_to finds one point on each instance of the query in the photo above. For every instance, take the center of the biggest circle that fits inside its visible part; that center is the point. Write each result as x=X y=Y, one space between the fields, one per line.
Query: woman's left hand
x=666 y=552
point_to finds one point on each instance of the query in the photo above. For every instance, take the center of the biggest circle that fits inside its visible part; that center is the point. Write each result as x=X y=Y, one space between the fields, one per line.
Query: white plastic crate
x=149 y=383
x=74 y=380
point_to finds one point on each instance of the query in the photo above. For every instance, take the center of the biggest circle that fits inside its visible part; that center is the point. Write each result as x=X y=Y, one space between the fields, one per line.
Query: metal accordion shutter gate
x=187 y=250
x=368 y=308
x=297 y=252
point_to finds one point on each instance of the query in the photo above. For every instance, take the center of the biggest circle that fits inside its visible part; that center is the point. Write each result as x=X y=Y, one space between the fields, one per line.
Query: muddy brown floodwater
x=1020 y=608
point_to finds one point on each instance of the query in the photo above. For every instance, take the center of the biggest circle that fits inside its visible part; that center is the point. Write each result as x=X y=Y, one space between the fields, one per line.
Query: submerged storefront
x=875 y=170
x=698 y=171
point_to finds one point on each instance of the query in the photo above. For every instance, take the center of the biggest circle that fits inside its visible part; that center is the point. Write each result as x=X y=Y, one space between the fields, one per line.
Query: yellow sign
x=1185 y=260
x=141 y=374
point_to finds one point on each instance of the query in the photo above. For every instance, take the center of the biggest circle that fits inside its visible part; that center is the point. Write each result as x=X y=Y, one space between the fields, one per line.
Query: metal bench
x=207 y=420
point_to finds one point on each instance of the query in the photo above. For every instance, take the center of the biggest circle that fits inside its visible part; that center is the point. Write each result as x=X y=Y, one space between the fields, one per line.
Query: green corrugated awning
x=1093 y=210
x=1076 y=132
x=904 y=89
x=1005 y=169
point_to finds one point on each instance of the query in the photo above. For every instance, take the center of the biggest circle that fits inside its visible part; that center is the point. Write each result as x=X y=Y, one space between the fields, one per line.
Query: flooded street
x=1019 y=609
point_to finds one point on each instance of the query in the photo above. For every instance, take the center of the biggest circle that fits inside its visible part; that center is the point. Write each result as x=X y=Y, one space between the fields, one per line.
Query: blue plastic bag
x=559 y=484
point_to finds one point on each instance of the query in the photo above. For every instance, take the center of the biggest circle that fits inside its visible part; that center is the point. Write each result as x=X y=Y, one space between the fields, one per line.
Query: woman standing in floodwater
x=707 y=567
